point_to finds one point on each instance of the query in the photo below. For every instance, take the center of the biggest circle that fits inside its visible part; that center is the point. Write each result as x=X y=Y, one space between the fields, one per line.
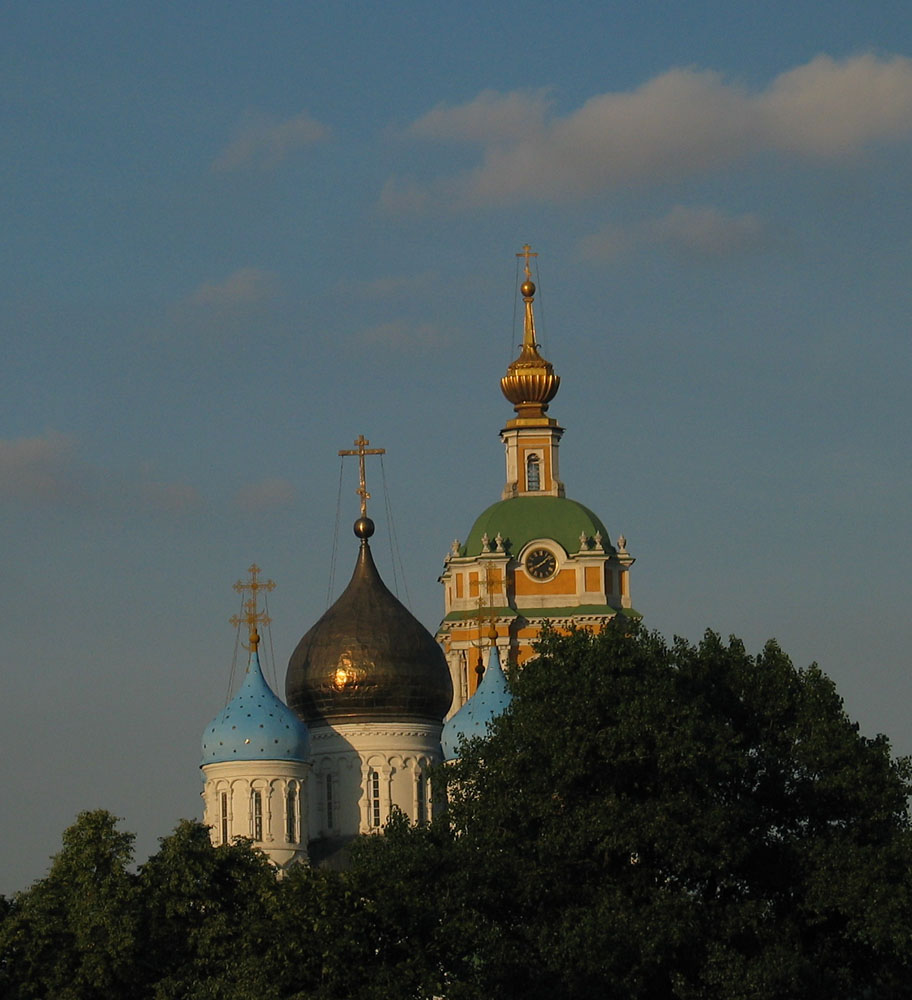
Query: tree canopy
x=646 y=820
x=662 y=821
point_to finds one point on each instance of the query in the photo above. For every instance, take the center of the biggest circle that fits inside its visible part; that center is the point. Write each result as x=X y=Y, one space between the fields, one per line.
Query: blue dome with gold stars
x=255 y=725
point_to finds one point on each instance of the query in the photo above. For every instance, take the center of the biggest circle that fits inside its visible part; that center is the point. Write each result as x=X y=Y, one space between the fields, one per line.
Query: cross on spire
x=361 y=450
x=527 y=253
x=251 y=616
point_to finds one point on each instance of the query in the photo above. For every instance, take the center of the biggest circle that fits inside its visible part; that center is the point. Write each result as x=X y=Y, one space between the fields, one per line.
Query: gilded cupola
x=530 y=383
x=368 y=659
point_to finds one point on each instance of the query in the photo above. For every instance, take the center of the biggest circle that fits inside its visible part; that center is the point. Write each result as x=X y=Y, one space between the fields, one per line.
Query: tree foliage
x=666 y=821
x=645 y=821
x=72 y=935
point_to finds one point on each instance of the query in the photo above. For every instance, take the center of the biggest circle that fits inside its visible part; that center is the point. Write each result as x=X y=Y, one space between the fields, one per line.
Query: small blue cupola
x=255 y=725
x=489 y=701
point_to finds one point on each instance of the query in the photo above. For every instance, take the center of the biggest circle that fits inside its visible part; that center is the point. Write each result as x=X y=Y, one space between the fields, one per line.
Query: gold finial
x=530 y=383
x=361 y=450
x=251 y=617
x=528 y=293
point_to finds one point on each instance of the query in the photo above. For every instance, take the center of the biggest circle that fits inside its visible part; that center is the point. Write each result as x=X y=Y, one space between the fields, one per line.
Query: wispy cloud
x=246 y=286
x=705 y=231
x=696 y=233
x=154 y=497
x=262 y=142
x=223 y=309
x=268 y=494
x=39 y=469
x=388 y=286
x=402 y=196
x=683 y=122
x=47 y=471
x=403 y=334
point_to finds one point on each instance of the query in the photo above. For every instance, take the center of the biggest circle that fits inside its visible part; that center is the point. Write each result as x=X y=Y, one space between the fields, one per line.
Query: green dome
x=522 y=519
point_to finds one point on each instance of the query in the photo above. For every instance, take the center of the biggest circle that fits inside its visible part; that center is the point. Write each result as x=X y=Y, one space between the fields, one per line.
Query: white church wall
x=264 y=800
x=375 y=767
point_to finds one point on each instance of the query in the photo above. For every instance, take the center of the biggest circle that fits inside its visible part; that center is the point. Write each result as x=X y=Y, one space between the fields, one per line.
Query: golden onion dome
x=530 y=383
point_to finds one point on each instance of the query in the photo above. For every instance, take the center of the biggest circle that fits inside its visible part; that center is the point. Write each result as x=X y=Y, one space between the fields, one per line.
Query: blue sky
x=236 y=236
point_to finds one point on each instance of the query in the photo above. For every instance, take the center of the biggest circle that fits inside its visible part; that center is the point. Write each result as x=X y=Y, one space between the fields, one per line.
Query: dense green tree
x=324 y=937
x=205 y=917
x=655 y=821
x=72 y=935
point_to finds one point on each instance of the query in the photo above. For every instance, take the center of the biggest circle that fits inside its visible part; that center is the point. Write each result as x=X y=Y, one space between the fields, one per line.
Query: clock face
x=540 y=564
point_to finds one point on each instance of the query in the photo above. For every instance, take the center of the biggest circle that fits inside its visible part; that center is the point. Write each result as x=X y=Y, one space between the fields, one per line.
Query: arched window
x=223 y=817
x=330 y=802
x=373 y=799
x=256 y=816
x=533 y=473
x=291 y=816
x=421 y=797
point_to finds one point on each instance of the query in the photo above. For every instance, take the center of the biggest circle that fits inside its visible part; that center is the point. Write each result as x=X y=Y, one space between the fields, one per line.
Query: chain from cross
x=251 y=616
x=361 y=450
x=485 y=613
x=527 y=253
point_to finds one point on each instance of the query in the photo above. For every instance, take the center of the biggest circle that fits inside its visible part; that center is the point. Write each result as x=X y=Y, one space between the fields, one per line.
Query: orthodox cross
x=251 y=617
x=527 y=253
x=361 y=450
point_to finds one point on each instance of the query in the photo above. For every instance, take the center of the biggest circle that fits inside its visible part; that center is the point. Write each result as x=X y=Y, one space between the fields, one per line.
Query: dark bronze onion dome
x=368 y=659
x=530 y=383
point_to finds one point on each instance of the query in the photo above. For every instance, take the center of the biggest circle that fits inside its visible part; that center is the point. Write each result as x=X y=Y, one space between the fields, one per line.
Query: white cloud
x=832 y=109
x=246 y=286
x=263 y=142
x=490 y=117
x=683 y=122
x=700 y=232
x=39 y=469
x=265 y=495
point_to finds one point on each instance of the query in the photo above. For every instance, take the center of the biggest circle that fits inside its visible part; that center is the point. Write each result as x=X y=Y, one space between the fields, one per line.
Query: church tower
x=373 y=687
x=256 y=758
x=535 y=556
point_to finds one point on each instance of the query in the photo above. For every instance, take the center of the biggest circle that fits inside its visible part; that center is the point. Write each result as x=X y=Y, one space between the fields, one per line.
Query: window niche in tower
x=291 y=814
x=256 y=816
x=533 y=473
x=373 y=799
x=421 y=797
x=223 y=816
x=330 y=800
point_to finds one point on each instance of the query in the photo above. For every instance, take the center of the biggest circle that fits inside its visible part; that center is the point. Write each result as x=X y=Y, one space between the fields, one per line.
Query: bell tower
x=536 y=557
x=531 y=438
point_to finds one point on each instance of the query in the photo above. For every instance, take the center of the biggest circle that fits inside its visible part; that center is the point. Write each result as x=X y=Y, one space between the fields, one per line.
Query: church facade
x=368 y=687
